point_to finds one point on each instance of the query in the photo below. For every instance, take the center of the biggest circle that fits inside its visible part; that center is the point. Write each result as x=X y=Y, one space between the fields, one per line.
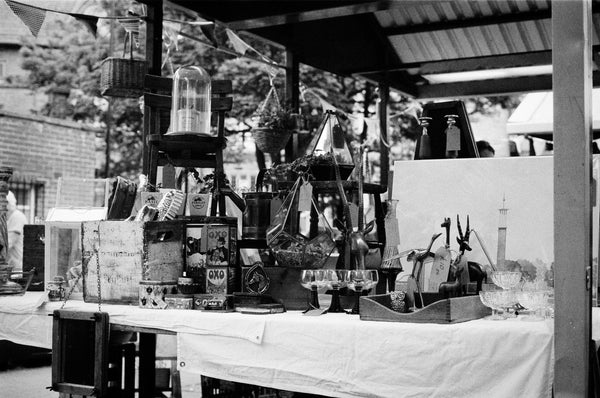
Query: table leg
x=147 y=350
x=380 y=222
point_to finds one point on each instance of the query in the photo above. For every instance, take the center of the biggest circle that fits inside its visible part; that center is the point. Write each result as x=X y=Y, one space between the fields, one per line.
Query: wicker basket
x=122 y=77
x=270 y=140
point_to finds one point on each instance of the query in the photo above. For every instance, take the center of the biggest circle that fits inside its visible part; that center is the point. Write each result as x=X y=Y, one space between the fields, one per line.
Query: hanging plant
x=274 y=124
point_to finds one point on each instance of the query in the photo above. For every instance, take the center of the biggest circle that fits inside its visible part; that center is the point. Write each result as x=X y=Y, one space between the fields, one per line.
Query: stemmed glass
x=336 y=280
x=358 y=281
x=508 y=280
x=495 y=299
x=534 y=300
x=308 y=280
x=374 y=279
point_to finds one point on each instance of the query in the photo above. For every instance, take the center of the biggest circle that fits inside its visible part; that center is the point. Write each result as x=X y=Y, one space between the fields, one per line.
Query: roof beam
x=322 y=13
x=491 y=87
x=468 y=64
x=503 y=61
x=486 y=87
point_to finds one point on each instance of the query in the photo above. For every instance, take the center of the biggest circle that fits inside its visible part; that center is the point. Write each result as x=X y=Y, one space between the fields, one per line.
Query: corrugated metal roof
x=405 y=42
x=477 y=41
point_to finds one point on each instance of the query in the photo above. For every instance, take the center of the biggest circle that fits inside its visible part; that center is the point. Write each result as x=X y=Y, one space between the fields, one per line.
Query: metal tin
x=213 y=302
x=152 y=293
x=179 y=301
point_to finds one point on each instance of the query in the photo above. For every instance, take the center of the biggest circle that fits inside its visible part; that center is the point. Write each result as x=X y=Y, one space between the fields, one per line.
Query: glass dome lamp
x=191 y=95
x=330 y=145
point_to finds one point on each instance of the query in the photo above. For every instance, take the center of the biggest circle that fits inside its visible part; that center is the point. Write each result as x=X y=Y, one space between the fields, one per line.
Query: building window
x=30 y=198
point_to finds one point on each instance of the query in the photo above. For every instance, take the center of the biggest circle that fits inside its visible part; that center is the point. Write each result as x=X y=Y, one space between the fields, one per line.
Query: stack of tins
x=211 y=254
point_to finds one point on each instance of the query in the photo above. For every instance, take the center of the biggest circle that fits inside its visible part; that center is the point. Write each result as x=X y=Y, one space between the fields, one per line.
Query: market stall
x=433 y=340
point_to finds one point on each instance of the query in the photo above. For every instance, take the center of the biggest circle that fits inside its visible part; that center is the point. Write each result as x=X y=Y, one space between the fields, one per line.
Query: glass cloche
x=190 y=110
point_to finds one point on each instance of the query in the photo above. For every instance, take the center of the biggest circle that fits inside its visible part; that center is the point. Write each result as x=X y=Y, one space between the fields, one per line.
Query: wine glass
x=336 y=280
x=321 y=276
x=374 y=279
x=307 y=280
x=358 y=280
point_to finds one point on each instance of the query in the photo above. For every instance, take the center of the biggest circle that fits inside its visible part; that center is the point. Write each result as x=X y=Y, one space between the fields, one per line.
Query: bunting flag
x=132 y=27
x=170 y=40
x=238 y=44
x=32 y=17
x=209 y=31
x=90 y=22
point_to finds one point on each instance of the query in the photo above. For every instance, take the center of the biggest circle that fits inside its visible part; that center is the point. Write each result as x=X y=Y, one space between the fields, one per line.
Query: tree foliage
x=70 y=60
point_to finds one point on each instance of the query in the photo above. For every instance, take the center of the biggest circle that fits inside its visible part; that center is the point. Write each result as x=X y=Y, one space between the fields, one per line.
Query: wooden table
x=336 y=354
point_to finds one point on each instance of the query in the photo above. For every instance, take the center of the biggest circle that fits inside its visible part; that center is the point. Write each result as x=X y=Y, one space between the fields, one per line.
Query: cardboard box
x=128 y=252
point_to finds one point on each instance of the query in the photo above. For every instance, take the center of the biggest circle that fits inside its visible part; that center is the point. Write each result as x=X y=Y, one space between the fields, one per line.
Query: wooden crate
x=127 y=253
x=452 y=310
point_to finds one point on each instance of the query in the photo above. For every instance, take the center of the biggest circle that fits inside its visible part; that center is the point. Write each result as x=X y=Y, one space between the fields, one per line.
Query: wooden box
x=128 y=252
x=285 y=286
x=452 y=310
x=33 y=254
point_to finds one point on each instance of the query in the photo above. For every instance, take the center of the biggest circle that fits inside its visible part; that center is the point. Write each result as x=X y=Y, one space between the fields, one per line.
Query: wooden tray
x=452 y=310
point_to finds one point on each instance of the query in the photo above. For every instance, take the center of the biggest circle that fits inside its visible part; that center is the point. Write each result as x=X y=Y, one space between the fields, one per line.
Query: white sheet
x=335 y=354
x=26 y=311
x=341 y=356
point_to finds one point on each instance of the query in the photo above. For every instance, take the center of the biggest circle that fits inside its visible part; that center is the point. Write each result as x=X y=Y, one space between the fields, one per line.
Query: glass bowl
x=533 y=300
x=506 y=279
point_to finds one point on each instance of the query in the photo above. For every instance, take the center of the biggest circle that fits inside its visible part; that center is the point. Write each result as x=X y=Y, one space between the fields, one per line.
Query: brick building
x=39 y=149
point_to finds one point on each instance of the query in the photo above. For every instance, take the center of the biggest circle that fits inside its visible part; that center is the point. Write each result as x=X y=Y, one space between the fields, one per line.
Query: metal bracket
x=588 y=278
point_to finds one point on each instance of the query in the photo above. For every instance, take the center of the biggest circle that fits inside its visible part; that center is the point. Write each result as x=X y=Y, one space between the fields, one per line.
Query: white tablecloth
x=334 y=354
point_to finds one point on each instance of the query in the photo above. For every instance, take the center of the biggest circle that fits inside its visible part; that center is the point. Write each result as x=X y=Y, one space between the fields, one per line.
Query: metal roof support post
x=384 y=96
x=154 y=17
x=292 y=97
x=154 y=36
x=572 y=86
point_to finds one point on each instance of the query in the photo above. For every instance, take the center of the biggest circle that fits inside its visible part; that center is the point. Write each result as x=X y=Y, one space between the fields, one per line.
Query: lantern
x=329 y=146
x=190 y=110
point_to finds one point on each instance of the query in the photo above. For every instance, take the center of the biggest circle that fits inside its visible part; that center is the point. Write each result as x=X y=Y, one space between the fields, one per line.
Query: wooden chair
x=184 y=150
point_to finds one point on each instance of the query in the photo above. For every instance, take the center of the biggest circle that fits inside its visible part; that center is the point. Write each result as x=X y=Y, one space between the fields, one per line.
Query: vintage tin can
x=216 y=280
x=217 y=302
x=152 y=293
x=179 y=301
x=211 y=242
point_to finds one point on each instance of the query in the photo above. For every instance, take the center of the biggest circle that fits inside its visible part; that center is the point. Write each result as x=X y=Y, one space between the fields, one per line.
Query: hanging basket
x=123 y=77
x=270 y=140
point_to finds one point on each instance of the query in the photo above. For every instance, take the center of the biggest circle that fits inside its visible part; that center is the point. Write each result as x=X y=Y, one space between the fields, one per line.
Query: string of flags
x=33 y=13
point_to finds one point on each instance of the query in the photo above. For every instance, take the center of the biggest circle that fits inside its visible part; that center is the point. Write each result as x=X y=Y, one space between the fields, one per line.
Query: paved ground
x=29 y=381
